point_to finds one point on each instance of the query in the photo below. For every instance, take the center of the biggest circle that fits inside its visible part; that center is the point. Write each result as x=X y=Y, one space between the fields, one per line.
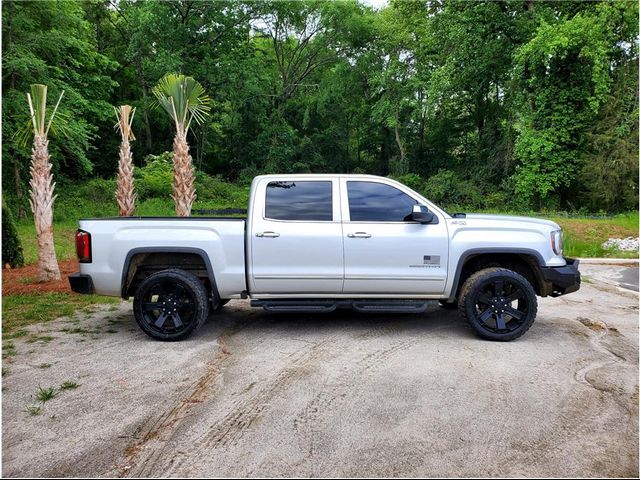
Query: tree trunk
x=184 y=190
x=403 y=155
x=41 y=201
x=145 y=94
x=125 y=195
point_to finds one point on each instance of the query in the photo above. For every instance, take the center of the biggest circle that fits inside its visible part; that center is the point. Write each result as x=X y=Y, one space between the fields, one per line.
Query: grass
x=8 y=349
x=46 y=394
x=19 y=311
x=64 y=239
x=584 y=236
x=33 y=410
x=69 y=385
x=40 y=338
x=43 y=395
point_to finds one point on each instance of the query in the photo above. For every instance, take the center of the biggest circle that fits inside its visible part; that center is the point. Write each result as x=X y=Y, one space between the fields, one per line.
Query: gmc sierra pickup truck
x=315 y=243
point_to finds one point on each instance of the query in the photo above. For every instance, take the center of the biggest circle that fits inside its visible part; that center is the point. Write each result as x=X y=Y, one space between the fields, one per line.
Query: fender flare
x=479 y=251
x=197 y=251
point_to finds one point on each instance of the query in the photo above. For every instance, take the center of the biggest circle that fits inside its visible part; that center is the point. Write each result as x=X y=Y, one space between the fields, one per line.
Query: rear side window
x=378 y=202
x=311 y=201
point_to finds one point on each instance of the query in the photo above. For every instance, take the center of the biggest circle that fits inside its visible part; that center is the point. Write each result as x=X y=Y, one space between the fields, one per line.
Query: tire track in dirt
x=308 y=423
x=144 y=454
x=244 y=411
x=615 y=346
x=570 y=423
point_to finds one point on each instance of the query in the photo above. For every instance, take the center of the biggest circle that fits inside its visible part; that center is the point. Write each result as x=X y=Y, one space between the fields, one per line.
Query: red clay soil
x=16 y=281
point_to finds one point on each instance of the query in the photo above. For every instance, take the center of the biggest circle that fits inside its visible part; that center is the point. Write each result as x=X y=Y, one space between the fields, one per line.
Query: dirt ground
x=343 y=394
x=24 y=280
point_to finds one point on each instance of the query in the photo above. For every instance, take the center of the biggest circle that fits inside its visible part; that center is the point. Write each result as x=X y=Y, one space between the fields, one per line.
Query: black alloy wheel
x=171 y=304
x=499 y=304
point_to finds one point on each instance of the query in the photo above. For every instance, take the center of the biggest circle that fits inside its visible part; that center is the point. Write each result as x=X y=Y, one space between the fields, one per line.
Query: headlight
x=557 y=239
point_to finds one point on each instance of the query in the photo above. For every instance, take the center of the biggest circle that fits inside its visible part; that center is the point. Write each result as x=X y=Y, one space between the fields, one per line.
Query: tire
x=448 y=305
x=498 y=304
x=181 y=305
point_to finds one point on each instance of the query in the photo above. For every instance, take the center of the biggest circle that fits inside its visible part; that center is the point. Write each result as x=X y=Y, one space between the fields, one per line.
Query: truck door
x=296 y=237
x=383 y=253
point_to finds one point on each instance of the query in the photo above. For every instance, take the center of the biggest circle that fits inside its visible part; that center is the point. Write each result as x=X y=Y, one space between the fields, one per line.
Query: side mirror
x=422 y=215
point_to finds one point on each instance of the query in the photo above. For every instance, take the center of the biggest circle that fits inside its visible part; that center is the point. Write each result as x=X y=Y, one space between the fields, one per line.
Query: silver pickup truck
x=315 y=243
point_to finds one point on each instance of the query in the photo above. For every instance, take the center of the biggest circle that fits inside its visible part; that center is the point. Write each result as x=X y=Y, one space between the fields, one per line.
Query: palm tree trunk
x=125 y=195
x=41 y=201
x=184 y=190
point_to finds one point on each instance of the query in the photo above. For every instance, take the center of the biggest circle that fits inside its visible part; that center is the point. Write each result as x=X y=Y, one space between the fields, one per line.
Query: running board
x=401 y=306
x=362 y=306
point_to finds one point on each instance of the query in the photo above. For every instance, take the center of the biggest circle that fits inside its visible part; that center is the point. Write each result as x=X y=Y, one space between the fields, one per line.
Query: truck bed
x=113 y=240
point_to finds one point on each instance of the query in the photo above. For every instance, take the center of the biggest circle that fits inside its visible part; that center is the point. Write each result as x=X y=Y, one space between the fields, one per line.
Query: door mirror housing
x=422 y=215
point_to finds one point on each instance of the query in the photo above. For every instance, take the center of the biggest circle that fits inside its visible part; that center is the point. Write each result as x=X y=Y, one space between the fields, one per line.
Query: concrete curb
x=610 y=261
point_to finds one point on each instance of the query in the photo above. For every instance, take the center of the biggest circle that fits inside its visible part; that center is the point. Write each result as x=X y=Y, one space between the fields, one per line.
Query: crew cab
x=315 y=243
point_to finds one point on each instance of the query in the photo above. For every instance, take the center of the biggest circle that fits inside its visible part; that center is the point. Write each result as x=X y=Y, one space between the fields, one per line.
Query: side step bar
x=361 y=305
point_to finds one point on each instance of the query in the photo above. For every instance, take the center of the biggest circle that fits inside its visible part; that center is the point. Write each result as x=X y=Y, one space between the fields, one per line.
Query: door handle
x=268 y=234
x=359 y=235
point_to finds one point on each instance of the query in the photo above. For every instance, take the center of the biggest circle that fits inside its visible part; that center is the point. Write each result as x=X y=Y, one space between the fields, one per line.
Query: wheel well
x=140 y=265
x=525 y=265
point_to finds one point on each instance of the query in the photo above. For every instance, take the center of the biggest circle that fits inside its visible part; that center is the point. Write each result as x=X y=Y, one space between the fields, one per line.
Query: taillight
x=83 y=246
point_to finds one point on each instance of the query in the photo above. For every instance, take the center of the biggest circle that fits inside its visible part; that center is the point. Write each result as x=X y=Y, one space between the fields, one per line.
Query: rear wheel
x=171 y=304
x=498 y=304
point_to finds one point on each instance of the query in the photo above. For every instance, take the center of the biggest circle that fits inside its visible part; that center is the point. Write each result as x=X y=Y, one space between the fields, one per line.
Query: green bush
x=94 y=198
x=155 y=179
x=447 y=189
x=100 y=190
x=411 y=180
x=11 y=246
x=213 y=189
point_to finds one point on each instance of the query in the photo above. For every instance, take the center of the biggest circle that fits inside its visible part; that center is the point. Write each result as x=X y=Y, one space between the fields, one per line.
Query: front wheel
x=171 y=304
x=498 y=304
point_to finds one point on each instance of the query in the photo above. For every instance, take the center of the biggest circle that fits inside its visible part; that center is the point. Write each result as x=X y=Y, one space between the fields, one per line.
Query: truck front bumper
x=81 y=283
x=562 y=280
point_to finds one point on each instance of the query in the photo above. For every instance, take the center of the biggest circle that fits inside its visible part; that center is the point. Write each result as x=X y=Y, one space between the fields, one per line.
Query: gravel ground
x=343 y=394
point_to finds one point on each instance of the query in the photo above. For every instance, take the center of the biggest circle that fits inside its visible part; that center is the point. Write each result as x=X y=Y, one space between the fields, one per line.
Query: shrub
x=11 y=246
x=101 y=190
x=411 y=180
x=447 y=189
x=94 y=198
x=221 y=192
x=247 y=174
x=155 y=179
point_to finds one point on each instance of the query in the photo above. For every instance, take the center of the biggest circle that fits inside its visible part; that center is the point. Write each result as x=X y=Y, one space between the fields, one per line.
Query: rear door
x=296 y=236
x=384 y=253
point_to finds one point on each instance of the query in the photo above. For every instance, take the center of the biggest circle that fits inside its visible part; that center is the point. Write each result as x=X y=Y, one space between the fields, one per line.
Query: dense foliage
x=11 y=247
x=517 y=104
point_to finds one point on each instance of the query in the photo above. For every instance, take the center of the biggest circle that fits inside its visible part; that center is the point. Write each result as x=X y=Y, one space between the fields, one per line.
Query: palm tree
x=125 y=195
x=185 y=100
x=42 y=185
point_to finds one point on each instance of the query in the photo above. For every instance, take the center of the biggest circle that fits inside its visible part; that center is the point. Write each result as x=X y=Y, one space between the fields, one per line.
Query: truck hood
x=512 y=219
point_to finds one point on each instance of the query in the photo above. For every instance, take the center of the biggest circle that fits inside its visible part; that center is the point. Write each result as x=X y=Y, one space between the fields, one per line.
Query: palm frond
x=183 y=98
x=38 y=124
x=125 y=114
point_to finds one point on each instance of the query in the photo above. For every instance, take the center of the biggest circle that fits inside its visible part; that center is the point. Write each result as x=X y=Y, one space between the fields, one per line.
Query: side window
x=296 y=200
x=377 y=202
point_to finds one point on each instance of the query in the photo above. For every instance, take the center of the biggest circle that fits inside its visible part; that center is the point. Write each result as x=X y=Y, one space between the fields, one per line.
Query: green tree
x=51 y=43
x=565 y=78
